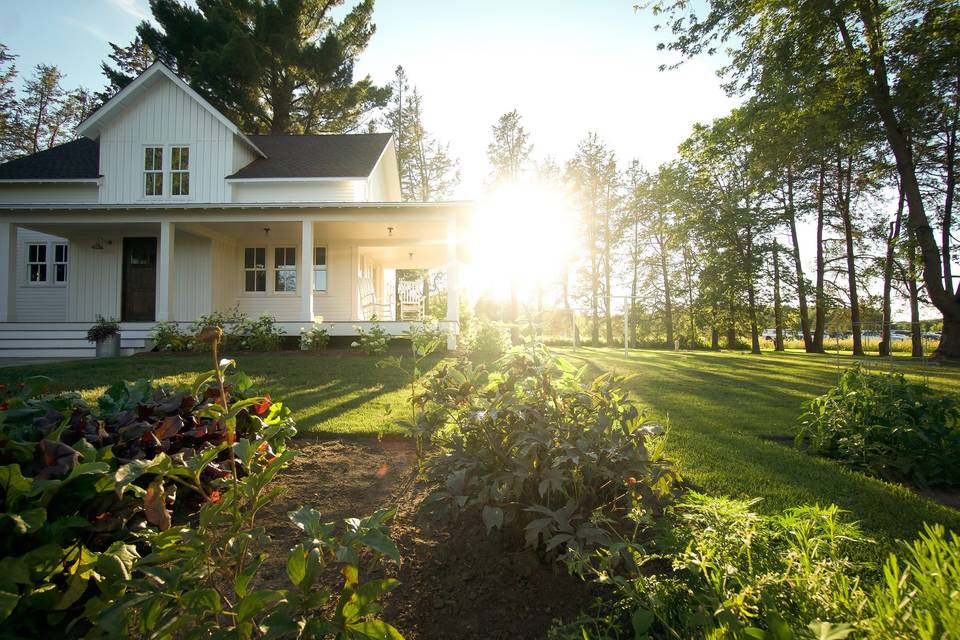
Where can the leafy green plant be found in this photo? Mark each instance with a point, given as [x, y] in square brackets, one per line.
[533, 447]
[202, 581]
[373, 342]
[424, 339]
[82, 486]
[886, 426]
[103, 329]
[168, 336]
[316, 338]
[487, 338]
[919, 595]
[261, 334]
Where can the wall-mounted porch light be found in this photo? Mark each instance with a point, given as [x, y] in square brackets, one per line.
[98, 245]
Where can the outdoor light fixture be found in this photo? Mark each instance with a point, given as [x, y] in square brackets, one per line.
[389, 232]
[411, 255]
[266, 231]
[98, 245]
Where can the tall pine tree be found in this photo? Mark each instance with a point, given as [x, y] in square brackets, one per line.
[271, 66]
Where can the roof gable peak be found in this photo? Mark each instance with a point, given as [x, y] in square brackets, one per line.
[92, 126]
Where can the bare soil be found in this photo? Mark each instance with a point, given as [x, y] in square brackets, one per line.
[455, 580]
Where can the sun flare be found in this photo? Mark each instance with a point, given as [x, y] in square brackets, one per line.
[523, 234]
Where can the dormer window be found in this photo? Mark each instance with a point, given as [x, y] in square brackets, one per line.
[153, 171]
[180, 171]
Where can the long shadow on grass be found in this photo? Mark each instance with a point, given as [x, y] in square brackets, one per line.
[319, 388]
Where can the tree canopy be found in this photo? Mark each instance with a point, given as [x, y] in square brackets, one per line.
[273, 66]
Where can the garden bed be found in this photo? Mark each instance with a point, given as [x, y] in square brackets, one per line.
[455, 580]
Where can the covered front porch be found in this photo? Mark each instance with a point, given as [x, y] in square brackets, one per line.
[295, 264]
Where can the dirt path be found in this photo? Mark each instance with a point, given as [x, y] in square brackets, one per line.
[455, 581]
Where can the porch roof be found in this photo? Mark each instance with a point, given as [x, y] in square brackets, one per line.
[173, 207]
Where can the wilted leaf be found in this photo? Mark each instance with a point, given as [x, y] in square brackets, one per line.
[155, 505]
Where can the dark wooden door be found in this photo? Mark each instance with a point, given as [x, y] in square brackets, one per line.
[139, 279]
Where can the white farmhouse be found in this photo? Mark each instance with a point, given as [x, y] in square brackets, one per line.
[163, 210]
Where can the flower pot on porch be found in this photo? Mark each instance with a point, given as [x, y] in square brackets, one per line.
[109, 346]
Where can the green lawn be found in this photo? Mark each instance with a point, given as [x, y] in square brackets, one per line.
[330, 393]
[723, 408]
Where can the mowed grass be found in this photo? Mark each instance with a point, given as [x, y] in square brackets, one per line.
[332, 393]
[732, 415]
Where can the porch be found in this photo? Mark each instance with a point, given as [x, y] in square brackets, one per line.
[336, 262]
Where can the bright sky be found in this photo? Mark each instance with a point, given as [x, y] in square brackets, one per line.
[567, 66]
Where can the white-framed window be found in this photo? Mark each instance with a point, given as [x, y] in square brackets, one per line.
[255, 269]
[36, 263]
[61, 253]
[320, 269]
[285, 269]
[180, 171]
[152, 171]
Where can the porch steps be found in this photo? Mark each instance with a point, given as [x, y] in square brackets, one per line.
[65, 339]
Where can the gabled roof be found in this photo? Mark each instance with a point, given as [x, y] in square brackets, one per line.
[92, 125]
[315, 156]
[76, 160]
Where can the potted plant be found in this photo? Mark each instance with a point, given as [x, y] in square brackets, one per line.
[106, 334]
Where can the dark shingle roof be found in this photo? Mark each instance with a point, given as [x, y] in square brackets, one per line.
[76, 160]
[316, 156]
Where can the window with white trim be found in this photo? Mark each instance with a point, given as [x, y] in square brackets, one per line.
[285, 269]
[255, 269]
[179, 171]
[60, 259]
[36, 263]
[153, 171]
[320, 269]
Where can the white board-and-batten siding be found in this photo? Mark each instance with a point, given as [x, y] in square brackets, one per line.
[300, 191]
[164, 115]
[39, 302]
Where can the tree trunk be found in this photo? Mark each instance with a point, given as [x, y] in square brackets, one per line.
[777, 306]
[916, 338]
[798, 266]
[892, 238]
[820, 299]
[714, 330]
[844, 179]
[686, 267]
[875, 71]
[752, 298]
[667, 300]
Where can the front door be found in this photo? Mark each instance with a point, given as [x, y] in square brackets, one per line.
[139, 279]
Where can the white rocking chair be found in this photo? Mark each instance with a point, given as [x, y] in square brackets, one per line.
[410, 293]
[370, 307]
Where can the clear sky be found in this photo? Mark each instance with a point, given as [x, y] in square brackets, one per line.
[567, 66]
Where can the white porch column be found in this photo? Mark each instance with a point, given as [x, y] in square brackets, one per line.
[8, 272]
[453, 284]
[306, 270]
[164, 310]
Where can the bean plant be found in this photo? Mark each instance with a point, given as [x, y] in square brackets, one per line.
[529, 445]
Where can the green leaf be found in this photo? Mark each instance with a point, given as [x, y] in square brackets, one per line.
[376, 630]
[8, 602]
[257, 602]
[492, 517]
[828, 631]
[642, 621]
[14, 483]
[297, 564]
[207, 600]
[308, 520]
